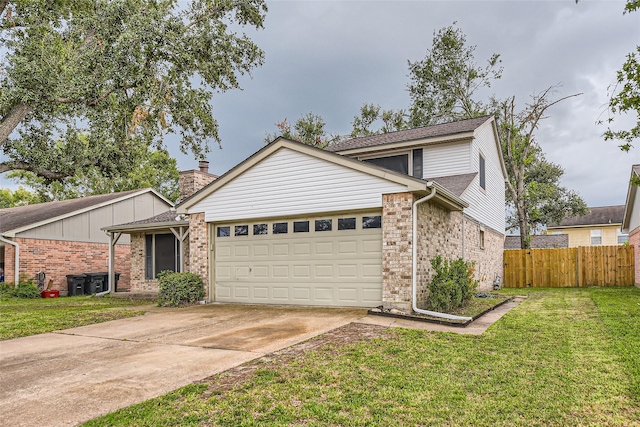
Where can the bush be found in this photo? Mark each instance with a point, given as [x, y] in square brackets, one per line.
[452, 285]
[178, 289]
[25, 290]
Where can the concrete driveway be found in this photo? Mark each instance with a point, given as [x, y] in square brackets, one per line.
[67, 377]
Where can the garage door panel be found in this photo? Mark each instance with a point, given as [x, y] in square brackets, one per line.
[330, 268]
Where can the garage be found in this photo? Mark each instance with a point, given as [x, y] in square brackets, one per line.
[326, 260]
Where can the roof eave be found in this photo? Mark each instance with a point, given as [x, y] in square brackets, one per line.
[447, 198]
[628, 206]
[465, 136]
[144, 227]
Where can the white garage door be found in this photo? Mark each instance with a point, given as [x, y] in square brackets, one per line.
[331, 260]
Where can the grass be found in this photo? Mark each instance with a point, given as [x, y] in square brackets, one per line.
[562, 357]
[24, 317]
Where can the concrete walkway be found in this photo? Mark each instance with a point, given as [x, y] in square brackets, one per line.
[71, 376]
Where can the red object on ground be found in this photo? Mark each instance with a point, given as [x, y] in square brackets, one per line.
[50, 294]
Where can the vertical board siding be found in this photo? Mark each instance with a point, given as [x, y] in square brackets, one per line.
[486, 206]
[291, 183]
[569, 267]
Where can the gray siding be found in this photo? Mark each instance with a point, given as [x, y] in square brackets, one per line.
[86, 226]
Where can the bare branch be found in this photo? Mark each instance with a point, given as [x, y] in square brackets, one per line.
[47, 174]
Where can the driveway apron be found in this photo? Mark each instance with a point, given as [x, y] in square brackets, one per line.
[70, 376]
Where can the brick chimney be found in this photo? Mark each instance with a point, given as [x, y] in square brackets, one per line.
[193, 180]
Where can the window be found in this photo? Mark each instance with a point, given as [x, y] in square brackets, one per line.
[596, 237]
[399, 163]
[346, 223]
[417, 163]
[259, 229]
[162, 252]
[372, 222]
[223, 232]
[622, 238]
[241, 230]
[481, 239]
[483, 183]
[280, 227]
[300, 226]
[323, 225]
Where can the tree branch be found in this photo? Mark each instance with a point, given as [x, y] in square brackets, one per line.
[12, 119]
[47, 174]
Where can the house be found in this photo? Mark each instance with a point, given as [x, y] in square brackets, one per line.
[540, 241]
[352, 225]
[631, 219]
[65, 237]
[160, 242]
[601, 226]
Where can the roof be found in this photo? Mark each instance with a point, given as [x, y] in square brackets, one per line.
[443, 196]
[597, 216]
[455, 183]
[164, 220]
[434, 131]
[539, 241]
[631, 198]
[24, 217]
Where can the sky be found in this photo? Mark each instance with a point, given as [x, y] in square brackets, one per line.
[331, 57]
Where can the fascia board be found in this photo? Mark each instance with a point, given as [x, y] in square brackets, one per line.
[459, 137]
[145, 227]
[628, 206]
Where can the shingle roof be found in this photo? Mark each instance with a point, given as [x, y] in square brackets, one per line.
[22, 216]
[539, 242]
[170, 216]
[444, 129]
[455, 183]
[596, 215]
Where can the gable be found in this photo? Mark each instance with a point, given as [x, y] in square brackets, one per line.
[289, 182]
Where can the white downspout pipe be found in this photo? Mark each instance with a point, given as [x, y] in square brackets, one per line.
[113, 239]
[16, 278]
[414, 262]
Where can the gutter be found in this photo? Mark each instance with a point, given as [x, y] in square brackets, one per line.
[414, 262]
[16, 278]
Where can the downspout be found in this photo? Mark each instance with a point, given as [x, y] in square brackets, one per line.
[112, 243]
[414, 262]
[16, 278]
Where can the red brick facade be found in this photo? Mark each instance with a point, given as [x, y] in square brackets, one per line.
[57, 258]
[634, 240]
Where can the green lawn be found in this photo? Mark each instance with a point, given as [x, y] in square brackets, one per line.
[24, 317]
[563, 357]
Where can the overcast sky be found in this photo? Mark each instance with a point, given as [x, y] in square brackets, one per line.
[330, 57]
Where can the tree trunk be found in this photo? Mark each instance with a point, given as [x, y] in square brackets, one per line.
[12, 119]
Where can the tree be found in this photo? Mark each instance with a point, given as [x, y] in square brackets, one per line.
[17, 197]
[533, 189]
[153, 169]
[370, 114]
[122, 72]
[309, 129]
[444, 83]
[626, 95]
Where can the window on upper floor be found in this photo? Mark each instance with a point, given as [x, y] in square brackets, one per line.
[417, 163]
[596, 237]
[483, 183]
[622, 238]
[399, 163]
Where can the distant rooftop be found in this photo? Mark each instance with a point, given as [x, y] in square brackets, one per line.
[542, 241]
[596, 216]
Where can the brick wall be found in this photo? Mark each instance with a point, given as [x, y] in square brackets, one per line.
[139, 283]
[193, 180]
[199, 248]
[634, 240]
[58, 258]
[439, 233]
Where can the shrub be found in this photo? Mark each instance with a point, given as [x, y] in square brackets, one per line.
[26, 290]
[6, 289]
[178, 289]
[452, 285]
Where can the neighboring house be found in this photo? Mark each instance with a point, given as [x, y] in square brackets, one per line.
[631, 219]
[293, 224]
[601, 226]
[542, 241]
[161, 242]
[65, 237]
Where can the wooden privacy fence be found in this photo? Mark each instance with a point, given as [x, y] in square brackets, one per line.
[569, 267]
